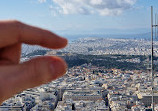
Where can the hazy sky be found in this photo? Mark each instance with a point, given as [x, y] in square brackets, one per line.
[82, 16]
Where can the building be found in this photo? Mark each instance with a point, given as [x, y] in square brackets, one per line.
[146, 98]
[86, 95]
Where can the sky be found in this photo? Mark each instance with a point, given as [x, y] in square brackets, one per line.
[82, 16]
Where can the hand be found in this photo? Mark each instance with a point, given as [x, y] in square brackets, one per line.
[16, 77]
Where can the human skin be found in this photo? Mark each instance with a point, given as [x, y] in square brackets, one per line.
[15, 76]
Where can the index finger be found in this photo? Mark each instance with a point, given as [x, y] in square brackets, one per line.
[12, 32]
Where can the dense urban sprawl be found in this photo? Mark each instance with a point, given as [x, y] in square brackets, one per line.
[93, 88]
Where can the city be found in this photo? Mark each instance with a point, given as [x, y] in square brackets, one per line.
[110, 47]
[89, 87]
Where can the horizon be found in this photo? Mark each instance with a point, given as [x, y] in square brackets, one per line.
[118, 18]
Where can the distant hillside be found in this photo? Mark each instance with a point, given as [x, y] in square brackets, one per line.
[118, 36]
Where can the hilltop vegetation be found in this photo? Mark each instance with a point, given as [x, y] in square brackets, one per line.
[123, 62]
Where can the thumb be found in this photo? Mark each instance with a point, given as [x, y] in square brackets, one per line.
[14, 79]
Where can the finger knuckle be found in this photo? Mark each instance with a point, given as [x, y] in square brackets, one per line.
[39, 71]
[35, 70]
[18, 26]
[16, 23]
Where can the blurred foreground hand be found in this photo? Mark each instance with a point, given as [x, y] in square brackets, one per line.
[16, 77]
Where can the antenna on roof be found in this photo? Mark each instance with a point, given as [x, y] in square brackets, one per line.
[152, 52]
[152, 74]
[155, 24]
